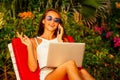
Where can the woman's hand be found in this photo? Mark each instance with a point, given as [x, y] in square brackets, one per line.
[32, 60]
[24, 39]
[60, 33]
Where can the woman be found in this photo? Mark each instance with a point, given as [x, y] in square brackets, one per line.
[51, 30]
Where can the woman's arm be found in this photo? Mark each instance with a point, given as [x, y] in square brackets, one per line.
[32, 60]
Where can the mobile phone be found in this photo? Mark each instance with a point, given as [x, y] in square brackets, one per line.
[58, 30]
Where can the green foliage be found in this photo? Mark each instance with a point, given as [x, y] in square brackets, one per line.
[8, 31]
[100, 58]
[6, 70]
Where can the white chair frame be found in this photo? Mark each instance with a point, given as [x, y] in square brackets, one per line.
[13, 61]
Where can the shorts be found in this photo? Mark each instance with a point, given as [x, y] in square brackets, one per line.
[44, 72]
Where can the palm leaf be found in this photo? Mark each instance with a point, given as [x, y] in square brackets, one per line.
[87, 9]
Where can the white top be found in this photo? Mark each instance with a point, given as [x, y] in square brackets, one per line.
[42, 53]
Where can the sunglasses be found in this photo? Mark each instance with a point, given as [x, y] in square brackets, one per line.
[49, 18]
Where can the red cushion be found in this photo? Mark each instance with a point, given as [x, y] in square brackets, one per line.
[70, 38]
[20, 52]
[21, 56]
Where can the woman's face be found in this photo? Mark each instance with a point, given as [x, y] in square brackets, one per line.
[51, 21]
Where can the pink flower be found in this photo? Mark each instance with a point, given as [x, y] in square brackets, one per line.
[98, 29]
[116, 41]
[108, 34]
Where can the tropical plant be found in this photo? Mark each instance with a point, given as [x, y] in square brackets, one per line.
[86, 11]
[6, 69]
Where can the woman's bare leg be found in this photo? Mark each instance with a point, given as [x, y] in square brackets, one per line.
[69, 68]
[85, 75]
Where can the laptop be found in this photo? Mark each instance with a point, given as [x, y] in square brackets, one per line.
[59, 53]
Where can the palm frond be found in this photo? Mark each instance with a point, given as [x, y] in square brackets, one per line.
[88, 9]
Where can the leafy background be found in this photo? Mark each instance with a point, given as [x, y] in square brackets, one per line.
[95, 22]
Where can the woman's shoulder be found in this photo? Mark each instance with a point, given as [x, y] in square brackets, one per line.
[65, 39]
[35, 41]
